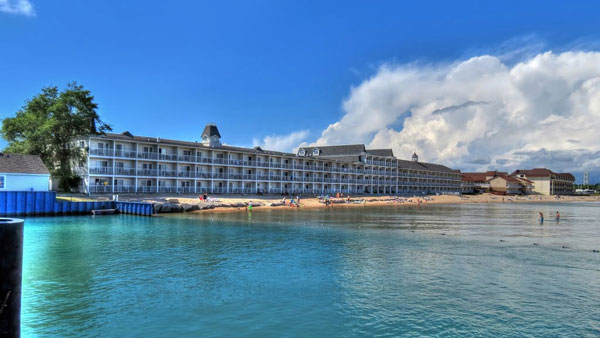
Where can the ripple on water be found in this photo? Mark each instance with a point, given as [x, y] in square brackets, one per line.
[363, 272]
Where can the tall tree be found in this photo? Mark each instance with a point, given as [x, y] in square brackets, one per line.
[48, 124]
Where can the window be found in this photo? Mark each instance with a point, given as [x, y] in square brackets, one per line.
[2, 182]
[315, 152]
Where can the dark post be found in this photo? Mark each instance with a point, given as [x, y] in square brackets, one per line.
[11, 267]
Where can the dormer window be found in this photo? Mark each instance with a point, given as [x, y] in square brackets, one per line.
[301, 152]
[316, 152]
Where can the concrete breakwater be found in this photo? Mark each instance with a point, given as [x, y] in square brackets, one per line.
[173, 205]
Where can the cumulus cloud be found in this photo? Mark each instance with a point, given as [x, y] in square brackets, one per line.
[20, 7]
[481, 113]
[281, 142]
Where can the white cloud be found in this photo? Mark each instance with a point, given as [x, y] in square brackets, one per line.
[20, 7]
[281, 142]
[481, 113]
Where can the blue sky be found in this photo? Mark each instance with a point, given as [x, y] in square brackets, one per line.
[257, 68]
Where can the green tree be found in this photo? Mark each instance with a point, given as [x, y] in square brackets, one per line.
[48, 125]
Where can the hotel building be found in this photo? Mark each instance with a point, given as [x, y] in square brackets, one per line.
[547, 182]
[124, 163]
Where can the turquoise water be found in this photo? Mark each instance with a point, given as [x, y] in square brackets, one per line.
[454, 270]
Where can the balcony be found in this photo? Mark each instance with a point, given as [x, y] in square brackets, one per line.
[186, 173]
[167, 173]
[148, 156]
[99, 189]
[167, 157]
[101, 152]
[126, 153]
[147, 189]
[185, 190]
[187, 158]
[167, 189]
[100, 171]
[124, 189]
[125, 171]
[147, 172]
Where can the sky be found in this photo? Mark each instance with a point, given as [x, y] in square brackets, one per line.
[474, 85]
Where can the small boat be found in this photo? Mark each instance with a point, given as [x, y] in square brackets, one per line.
[104, 212]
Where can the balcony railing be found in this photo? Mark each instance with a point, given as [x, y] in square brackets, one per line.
[126, 153]
[124, 171]
[100, 171]
[124, 189]
[147, 189]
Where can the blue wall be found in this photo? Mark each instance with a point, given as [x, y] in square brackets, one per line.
[29, 203]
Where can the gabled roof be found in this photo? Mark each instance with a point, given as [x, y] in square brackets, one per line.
[540, 172]
[506, 178]
[349, 149]
[210, 130]
[475, 177]
[22, 164]
[404, 164]
[381, 152]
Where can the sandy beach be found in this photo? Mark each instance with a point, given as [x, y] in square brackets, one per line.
[233, 203]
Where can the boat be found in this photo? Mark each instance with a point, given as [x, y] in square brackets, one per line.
[104, 212]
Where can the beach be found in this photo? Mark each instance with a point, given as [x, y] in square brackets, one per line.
[235, 203]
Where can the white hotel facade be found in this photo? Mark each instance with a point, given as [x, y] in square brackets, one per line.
[124, 163]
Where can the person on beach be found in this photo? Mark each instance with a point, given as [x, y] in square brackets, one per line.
[205, 196]
[541, 218]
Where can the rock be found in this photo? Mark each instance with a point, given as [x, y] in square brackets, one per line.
[237, 205]
[277, 204]
[173, 200]
[186, 207]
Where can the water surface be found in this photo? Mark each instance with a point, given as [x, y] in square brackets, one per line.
[452, 270]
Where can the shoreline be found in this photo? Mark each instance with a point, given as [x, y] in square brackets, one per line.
[227, 204]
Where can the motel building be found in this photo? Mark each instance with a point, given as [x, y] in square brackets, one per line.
[124, 163]
[547, 182]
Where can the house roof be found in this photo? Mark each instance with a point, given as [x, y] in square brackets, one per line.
[381, 152]
[475, 177]
[22, 164]
[342, 150]
[481, 176]
[506, 178]
[425, 166]
[540, 172]
[211, 130]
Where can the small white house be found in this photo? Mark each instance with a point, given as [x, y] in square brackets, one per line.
[19, 172]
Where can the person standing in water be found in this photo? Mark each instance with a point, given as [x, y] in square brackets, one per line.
[557, 216]
[541, 218]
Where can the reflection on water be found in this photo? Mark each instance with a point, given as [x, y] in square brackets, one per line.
[435, 271]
